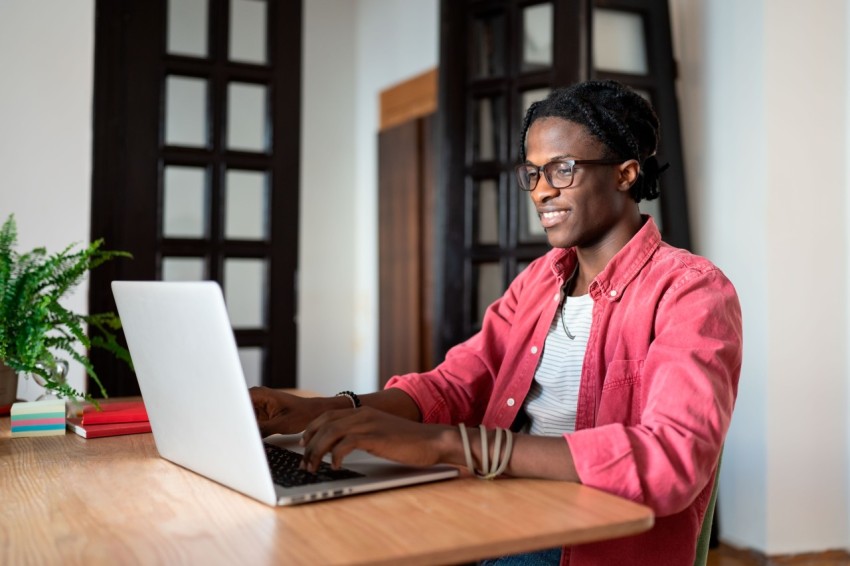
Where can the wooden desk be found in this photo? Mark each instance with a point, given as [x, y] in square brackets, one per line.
[65, 499]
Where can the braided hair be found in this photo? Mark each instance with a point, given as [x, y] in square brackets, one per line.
[618, 117]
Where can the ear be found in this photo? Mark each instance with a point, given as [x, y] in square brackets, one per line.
[627, 174]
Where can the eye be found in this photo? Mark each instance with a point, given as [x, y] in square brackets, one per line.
[531, 173]
[560, 170]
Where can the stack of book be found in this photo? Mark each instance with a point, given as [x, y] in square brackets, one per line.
[113, 419]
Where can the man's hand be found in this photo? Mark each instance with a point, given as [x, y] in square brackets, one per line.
[279, 412]
[379, 433]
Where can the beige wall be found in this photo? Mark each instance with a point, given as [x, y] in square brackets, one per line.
[764, 98]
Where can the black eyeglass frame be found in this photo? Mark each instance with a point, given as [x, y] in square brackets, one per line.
[523, 169]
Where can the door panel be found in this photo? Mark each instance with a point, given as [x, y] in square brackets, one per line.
[196, 167]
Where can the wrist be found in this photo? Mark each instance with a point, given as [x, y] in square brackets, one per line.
[450, 446]
[317, 406]
[486, 453]
[334, 403]
[352, 398]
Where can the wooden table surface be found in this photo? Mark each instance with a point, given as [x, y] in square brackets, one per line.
[65, 499]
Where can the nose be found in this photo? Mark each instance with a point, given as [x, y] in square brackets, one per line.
[543, 192]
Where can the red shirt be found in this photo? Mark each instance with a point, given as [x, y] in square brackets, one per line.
[658, 384]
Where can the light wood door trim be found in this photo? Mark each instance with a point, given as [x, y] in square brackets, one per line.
[408, 100]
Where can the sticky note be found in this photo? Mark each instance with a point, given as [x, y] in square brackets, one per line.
[38, 418]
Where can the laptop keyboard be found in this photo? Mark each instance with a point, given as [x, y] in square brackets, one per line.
[284, 466]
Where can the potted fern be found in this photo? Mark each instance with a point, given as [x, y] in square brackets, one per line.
[36, 330]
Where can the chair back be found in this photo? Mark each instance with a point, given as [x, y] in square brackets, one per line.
[705, 532]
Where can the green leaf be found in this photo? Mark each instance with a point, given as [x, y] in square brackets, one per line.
[34, 325]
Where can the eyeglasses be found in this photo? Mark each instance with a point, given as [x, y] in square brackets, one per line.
[559, 173]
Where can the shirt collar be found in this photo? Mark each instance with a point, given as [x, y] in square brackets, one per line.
[623, 267]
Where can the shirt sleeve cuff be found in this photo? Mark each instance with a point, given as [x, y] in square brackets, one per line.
[432, 407]
[604, 460]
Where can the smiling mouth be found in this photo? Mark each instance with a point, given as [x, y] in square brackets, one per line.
[549, 219]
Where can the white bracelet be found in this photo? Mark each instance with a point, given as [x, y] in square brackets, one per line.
[467, 451]
[509, 446]
[491, 467]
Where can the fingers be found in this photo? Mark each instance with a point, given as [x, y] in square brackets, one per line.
[270, 409]
[269, 426]
[343, 448]
[321, 421]
[335, 432]
[260, 400]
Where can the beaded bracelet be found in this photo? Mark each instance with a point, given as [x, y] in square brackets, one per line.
[490, 467]
[352, 396]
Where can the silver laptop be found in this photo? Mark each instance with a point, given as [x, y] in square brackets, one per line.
[191, 380]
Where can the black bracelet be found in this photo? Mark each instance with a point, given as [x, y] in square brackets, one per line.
[352, 396]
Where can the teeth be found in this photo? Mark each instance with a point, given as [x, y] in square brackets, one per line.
[553, 214]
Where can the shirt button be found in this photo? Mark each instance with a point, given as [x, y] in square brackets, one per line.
[511, 402]
[534, 349]
[613, 293]
[557, 297]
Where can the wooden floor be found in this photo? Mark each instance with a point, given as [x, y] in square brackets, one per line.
[726, 555]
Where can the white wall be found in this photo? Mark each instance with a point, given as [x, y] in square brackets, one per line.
[329, 198]
[764, 101]
[390, 41]
[46, 61]
[847, 270]
[719, 47]
[807, 261]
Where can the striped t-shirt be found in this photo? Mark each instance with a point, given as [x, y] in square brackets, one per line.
[552, 400]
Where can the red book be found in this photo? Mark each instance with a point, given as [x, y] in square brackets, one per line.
[117, 412]
[75, 424]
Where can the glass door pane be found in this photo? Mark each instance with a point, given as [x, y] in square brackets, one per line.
[489, 288]
[184, 269]
[528, 97]
[246, 205]
[488, 126]
[537, 37]
[186, 111]
[530, 228]
[252, 365]
[184, 207]
[619, 44]
[187, 27]
[488, 40]
[247, 41]
[245, 291]
[246, 117]
[486, 195]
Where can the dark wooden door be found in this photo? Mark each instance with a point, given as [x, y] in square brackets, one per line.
[196, 163]
[405, 212]
[406, 148]
[496, 57]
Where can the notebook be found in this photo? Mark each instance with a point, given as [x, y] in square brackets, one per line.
[191, 380]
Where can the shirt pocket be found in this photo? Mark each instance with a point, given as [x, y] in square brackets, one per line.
[620, 401]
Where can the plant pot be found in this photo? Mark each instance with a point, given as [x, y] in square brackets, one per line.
[8, 388]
